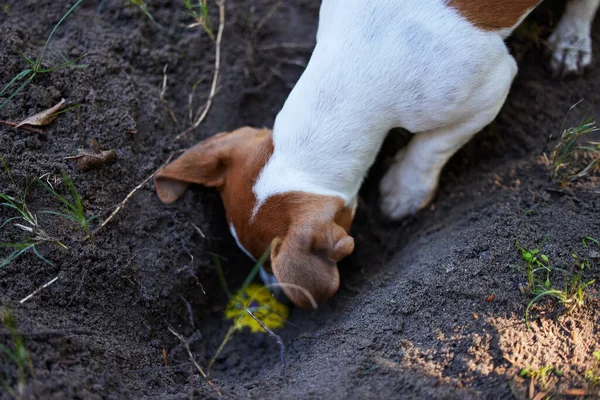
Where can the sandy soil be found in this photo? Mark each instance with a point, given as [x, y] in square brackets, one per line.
[411, 319]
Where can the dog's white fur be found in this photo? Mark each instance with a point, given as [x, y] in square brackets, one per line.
[415, 64]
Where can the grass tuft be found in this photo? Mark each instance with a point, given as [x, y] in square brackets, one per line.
[542, 374]
[22, 79]
[26, 221]
[592, 375]
[568, 153]
[199, 12]
[72, 210]
[540, 273]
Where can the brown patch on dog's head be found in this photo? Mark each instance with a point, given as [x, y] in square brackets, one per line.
[308, 232]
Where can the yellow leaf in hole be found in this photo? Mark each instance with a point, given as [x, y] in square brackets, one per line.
[259, 300]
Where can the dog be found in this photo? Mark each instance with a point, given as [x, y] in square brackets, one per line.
[438, 68]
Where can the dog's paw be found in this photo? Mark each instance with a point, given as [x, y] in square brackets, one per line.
[571, 50]
[403, 194]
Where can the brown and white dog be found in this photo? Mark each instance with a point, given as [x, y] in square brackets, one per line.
[438, 68]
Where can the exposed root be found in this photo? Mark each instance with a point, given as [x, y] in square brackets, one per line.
[268, 15]
[277, 338]
[36, 291]
[213, 88]
[130, 194]
[161, 96]
[193, 360]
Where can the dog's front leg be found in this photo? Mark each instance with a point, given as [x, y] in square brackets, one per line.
[571, 42]
[412, 180]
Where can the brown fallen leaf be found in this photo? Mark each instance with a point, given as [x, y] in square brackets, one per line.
[44, 117]
[575, 392]
[490, 298]
[92, 156]
[25, 128]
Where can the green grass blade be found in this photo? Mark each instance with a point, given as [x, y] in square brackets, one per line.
[585, 238]
[39, 60]
[221, 276]
[63, 215]
[27, 59]
[9, 353]
[255, 270]
[142, 6]
[8, 220]
[63, 65]
[19, 76]
[17, 91]
[42, 257]
[11, 206]
[14, 255]
[550, 293]
[71, 186]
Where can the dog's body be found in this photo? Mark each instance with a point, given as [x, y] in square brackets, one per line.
[439, 69]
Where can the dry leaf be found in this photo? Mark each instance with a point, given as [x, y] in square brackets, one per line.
[490, 298]
[45, 117]
[575, 392]
[93, 156]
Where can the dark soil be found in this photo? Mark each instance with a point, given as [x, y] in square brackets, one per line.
[411, 319]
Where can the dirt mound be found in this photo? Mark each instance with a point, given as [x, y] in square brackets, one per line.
[411, 319]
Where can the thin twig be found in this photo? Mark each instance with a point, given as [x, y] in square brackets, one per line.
[24, 127]
[130, 194]
[189, 310]
[199, 231]
[277, 338]
[268, 16]
[39, 290]
[213, 88]
[193, 360]
[226, 339]
[163, 90]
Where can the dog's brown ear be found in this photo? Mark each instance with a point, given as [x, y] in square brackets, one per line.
[305, 261]
[204, 164]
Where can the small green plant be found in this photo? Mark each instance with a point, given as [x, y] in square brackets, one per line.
[27, 221]
[35, 66]
[199, 12]
[567, 152]
[593, 374]
[72, 210]
[13, 356]
[586, 239]
[538, 271]
[542, 374]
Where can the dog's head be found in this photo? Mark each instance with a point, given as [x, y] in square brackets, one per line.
[307, 232]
